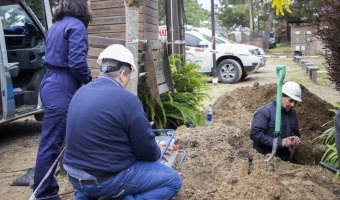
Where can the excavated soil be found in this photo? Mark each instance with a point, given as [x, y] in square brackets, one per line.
[221, 164]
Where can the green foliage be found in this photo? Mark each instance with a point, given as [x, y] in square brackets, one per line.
[194, 13]
[328, 138]
[330, 156]
[327, 29]
[36, 6]
[235, 15]
[302, 9]
[182, 107]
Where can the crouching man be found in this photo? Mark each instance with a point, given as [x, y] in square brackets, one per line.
[110, 148]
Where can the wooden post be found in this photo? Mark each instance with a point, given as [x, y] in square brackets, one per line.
[132, 25]
[176, 26]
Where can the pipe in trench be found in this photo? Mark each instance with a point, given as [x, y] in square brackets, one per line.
[327, 166]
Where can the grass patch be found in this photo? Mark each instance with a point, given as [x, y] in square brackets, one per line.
[282, 48]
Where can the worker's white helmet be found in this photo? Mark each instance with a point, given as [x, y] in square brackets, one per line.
[292, 90]
[117, 52]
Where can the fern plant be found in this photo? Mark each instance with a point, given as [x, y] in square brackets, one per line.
[185, 105]
[328, 138]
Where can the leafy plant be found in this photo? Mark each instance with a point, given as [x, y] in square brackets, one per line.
[327, 29]
[328, 138]
[185, 106]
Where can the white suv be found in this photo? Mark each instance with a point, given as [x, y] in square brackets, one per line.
[233, 62]
[206, 33]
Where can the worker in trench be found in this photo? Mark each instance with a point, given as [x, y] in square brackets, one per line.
[263, 125]
[111, 150]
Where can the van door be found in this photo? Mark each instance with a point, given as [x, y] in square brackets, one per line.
[47, 14]
[7, 107]
[23, 47]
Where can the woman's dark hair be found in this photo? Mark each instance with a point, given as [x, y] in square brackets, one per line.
[75, 8]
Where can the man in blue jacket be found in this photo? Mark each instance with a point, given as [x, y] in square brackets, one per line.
[263, 125]
[110, 148]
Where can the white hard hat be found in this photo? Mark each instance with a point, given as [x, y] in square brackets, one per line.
[117, 52]
[292, 90]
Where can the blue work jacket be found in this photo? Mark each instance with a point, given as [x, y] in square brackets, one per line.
[263, 128]
[107, 129]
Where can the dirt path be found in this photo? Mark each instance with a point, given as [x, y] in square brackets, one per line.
[220, 162]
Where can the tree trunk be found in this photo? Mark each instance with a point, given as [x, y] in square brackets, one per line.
[268, 28]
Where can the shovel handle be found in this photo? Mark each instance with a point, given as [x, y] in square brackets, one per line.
[280, 76]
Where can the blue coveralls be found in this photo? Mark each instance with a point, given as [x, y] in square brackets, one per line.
[65, 59]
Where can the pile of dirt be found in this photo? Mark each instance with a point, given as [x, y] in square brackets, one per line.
[221, 164]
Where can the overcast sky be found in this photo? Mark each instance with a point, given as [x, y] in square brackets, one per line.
[207, 3]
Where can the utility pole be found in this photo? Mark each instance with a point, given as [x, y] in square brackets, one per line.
[181, 29]
[251, 21]
[213, 40]
[170, 24]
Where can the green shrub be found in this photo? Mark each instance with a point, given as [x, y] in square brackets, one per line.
[328, 138]
[326, 24]
[185, 105]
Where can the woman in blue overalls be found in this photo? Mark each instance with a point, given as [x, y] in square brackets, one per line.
[67, 70]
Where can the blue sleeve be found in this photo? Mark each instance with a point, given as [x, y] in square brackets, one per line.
[142, 138]
[258, 131]
[78, 47]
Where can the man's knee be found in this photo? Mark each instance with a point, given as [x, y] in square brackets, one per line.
[177, 182]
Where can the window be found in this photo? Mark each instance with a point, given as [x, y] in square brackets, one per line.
[13, 16]
[192, 41]
[18, 27]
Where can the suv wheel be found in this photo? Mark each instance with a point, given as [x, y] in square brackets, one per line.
[229, 71]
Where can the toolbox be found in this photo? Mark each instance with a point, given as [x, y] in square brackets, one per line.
[166, 136]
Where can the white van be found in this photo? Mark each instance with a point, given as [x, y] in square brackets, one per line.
[22, 43]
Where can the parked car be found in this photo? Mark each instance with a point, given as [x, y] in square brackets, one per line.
[233, 62]
[272, 41]
[219, 40]
[254, 49]
[22, 43]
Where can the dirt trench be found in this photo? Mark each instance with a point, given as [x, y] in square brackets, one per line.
[221, 164]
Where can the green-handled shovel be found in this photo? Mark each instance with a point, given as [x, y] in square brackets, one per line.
[280, 76]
